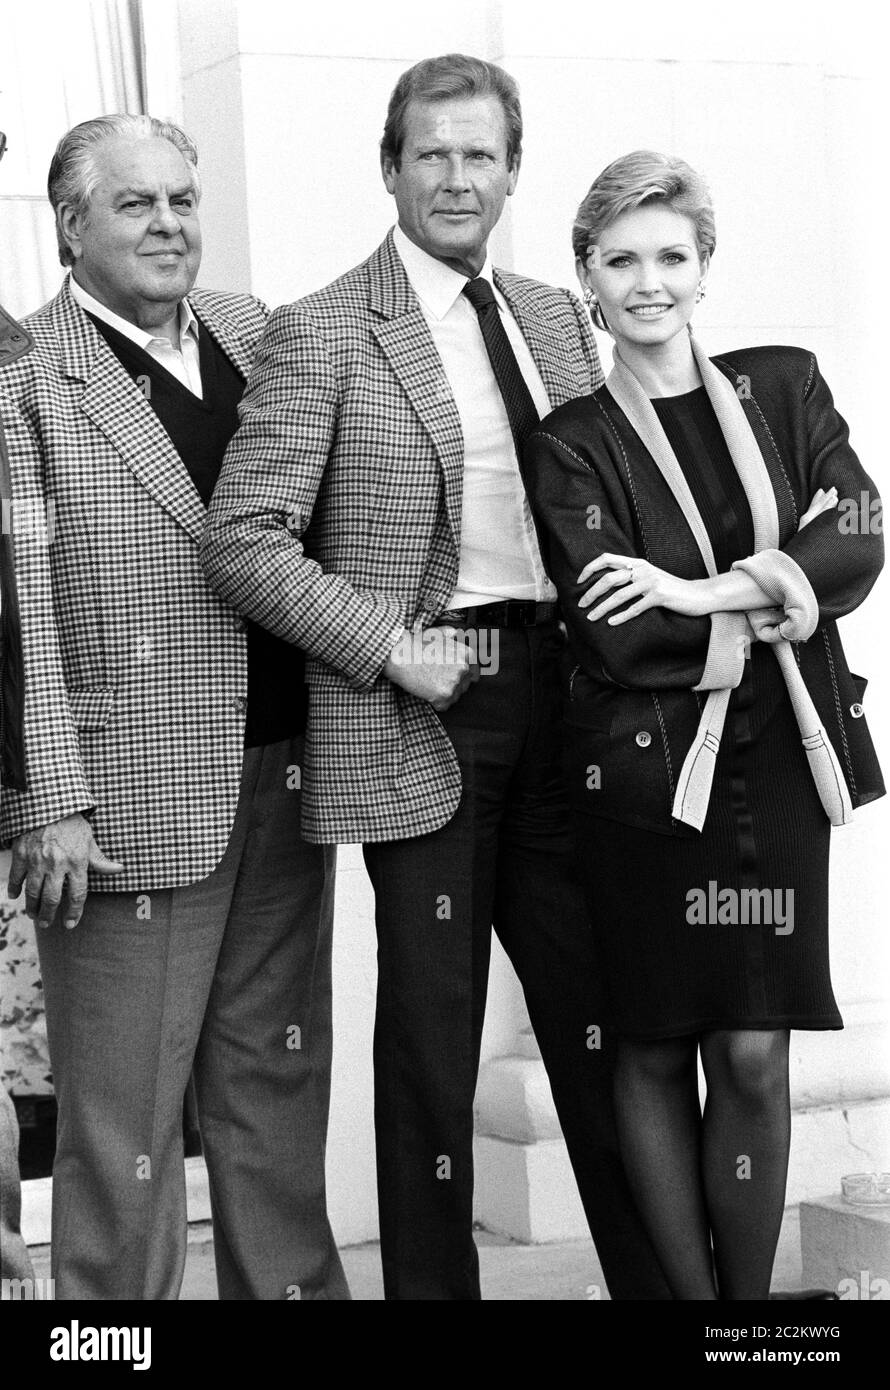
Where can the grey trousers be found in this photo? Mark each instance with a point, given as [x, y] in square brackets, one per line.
[228, 979]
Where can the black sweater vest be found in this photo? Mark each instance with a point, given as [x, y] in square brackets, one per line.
[200, 430]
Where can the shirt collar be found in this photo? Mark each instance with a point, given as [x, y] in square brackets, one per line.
[436, 285]
[188, 323]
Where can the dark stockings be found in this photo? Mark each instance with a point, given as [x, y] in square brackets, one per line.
[717, 1177]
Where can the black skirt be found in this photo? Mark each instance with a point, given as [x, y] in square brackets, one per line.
[727, 929]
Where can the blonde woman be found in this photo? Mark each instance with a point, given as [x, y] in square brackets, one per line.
[690, 518]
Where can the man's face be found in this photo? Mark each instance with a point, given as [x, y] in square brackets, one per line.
[453, 178]
[138, 244]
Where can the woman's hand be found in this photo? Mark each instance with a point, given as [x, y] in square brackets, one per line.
[628, 579]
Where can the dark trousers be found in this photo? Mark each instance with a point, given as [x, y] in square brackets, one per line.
[505, 858]
[227, 979]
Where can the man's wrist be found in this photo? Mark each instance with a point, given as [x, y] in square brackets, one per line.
[395, 638]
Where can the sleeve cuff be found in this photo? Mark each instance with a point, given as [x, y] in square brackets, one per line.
[787, 585]
[20, 813]
[727, 648]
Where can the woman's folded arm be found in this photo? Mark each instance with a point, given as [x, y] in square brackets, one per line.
[577, 522]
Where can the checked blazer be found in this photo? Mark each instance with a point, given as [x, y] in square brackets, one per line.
[135, 672]
[337, 518]
[14, 343]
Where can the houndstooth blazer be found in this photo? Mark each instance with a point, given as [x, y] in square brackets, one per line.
[337, 515]
[135, 672]
[14, 343]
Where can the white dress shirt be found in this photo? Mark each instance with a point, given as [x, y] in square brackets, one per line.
[499, 555]
[183, 363]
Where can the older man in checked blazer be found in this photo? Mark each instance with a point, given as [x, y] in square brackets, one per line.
[153, 811]
[370, 508]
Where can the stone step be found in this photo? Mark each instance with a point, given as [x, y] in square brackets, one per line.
[846, 1248]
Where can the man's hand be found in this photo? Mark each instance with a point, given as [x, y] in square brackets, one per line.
[433, 663]
[44, 859]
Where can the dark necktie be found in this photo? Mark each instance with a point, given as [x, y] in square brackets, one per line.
[521, 410]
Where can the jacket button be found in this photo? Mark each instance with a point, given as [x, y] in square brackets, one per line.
[857, 711]
[239, 704]
[643, 739]
[239, 624]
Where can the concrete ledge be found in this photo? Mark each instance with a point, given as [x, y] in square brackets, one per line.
[846, 1248]
[37, 1194]
[514, 1101]
[527, 1191]
[833, 1140]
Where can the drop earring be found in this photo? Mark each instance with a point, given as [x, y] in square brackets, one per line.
[700, 292]
[596, 311]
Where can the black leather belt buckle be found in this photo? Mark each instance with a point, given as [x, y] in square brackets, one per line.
[524, 613]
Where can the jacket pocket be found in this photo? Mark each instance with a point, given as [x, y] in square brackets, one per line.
[91, 709]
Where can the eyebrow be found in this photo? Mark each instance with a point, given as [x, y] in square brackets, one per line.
[150, 192]
[467, 147]
[676, 246]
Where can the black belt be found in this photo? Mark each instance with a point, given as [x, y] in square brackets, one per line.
[509, 612]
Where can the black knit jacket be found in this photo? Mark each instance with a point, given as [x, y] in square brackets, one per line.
[594, 488]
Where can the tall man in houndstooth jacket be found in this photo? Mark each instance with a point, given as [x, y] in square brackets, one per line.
[371, 509]
[161, 763]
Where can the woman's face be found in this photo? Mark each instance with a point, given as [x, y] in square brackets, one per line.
[645, 271]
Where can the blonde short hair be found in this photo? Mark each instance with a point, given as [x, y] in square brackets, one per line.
[643, 177]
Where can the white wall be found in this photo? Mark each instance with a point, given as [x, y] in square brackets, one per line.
[60, 63]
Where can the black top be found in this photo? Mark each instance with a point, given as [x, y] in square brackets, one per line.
[693, 432]
[200, 430]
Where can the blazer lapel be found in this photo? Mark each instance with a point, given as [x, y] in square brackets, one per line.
[219, 326]
[546, 342]
[112, 401]
[406, 341]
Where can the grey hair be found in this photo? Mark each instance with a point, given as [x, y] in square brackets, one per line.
[73, 173]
